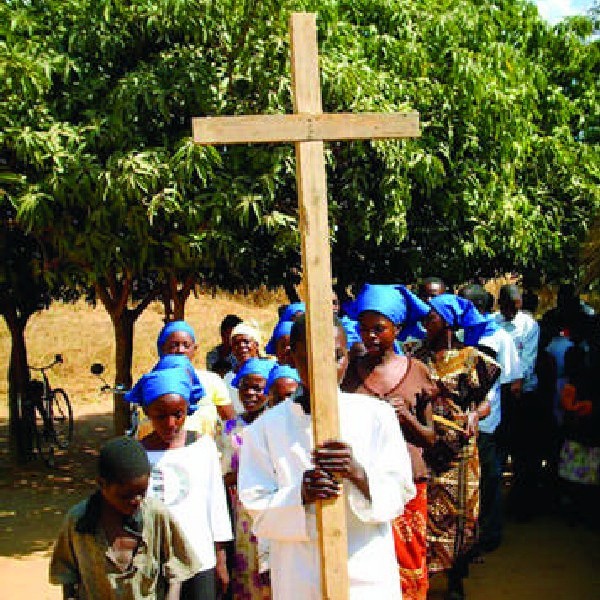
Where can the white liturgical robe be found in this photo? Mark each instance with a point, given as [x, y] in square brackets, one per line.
[276, 451]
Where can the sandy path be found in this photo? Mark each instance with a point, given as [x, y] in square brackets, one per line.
[542, 560]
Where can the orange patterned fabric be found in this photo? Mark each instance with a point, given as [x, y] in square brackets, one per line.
[453, 510]
[410, 541]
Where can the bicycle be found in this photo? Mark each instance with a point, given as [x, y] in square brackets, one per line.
[119, 389]
[50, 414]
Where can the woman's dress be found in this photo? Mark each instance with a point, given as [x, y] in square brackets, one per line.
[464, 377]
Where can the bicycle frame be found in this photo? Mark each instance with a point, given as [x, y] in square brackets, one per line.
[44, 406]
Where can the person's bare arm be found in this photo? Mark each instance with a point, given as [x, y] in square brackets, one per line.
[226, 412]
[221, 572]
[422, 433]
[173, 591]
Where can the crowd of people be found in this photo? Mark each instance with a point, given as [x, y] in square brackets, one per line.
[439, 397]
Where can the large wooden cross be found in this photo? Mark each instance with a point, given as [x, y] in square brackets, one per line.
[308, 128]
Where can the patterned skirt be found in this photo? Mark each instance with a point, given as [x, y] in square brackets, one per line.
[249, 577]
[410, 541]
[453, 509]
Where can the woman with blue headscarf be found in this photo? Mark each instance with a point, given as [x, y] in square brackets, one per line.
[382, 311]
[250, 571]
[279, 344]
[283, 381]
[464, 376]
[186, 473]
[178, 338]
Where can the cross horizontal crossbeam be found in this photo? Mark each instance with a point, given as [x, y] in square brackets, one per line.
[293, 128]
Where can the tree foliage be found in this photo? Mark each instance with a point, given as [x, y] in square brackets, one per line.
[95, 107]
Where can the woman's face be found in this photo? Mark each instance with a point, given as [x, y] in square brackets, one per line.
[167, 414]
[180, 342]
[378, 333]
[282, 350]
[282, 389]
[252, 393]
[434, 325]
[244, 347]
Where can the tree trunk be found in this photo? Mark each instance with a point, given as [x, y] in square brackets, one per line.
[20, 442]
[175, 295]
[115, 297]
[123, 329]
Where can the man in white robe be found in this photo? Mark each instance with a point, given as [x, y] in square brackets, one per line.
[279, 481]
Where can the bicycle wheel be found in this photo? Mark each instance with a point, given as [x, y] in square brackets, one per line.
[44, 437]
[62, 418]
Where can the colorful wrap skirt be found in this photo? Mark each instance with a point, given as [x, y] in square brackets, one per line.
[453, 510]
[410, 542]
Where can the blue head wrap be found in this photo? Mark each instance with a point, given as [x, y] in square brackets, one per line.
[170, 328]
[291, 310]
[181, 361]
[281, 371]
[351, 328]
[168, 380]
[456, 311]
[415, 331]
[282, 328]
[254, 366]
[395, 302]
[475, 332]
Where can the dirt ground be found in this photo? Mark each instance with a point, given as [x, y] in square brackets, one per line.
[542, 560]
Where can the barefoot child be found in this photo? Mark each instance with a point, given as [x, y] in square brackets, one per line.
[281, 476]
[116, 544]
[186, 474]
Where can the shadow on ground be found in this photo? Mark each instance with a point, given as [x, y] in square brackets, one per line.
[35, 498]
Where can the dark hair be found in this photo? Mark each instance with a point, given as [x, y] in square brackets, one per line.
[298, 332]
[122, 459]
[509, 293]
[221, 365]
[434, 280]
[476, 294]
[229, 322]
[530, 301]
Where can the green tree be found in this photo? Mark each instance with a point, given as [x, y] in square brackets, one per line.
[96, 100]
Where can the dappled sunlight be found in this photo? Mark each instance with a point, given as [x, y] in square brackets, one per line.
[35, 498]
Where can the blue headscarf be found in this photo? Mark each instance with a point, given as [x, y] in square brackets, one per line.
[456, 311]
[291, 310]
[395, 302]
[351, 328]
[170, 328]
[474, 333]
[174, 361]
[281, 371]
[170, 380]
[282, 328]
[416, 331]
[254, 366]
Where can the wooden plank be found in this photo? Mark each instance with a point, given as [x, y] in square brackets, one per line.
[316, 263]
[304, 127]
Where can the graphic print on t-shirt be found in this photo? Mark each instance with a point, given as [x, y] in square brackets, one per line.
[170, 483]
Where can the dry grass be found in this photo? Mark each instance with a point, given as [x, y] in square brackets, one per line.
[84, 335]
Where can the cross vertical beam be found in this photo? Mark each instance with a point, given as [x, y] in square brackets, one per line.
[316, 268]
[308, 128]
